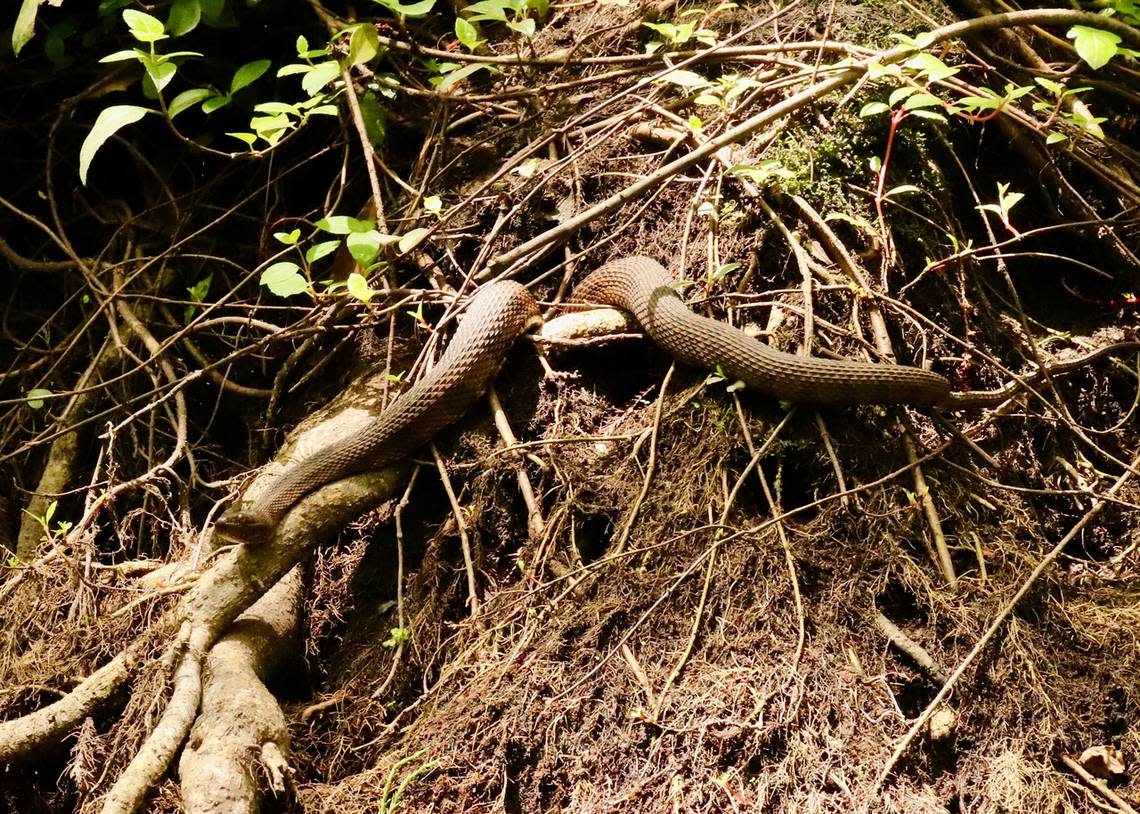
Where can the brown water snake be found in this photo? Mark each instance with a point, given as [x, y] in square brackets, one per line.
[501, 311]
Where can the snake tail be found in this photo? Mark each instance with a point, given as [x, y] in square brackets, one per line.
[642, 286]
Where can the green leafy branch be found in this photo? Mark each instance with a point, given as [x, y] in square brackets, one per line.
[44, 522]
[916, 98]
[687, 28]
[1006, 201]
[360, 237]
[514, 14]
[159, 70]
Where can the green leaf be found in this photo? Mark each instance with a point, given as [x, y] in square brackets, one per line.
[271, 128]
[528, 168]
[1056, 88]
[25, 27]
[1090, 124]
[359, 288]
[686, 79]
[215, 103]
[184, 17]
[759, 173]
[363, 44]
[433, 204]
[876, 70]
[930, 66]
[487, 10]
[409, 10]
[525, 27]
[274, 108]
[249, 138]
[898, 94]
[288, 238]
[200, 289]
[319, 250]
[375, 118]
[666, 30]
[197, 293]
[1011, 199]
[110, 120]
[363, 246]
[143, 27]
[462, 73]
[292, 69]
[467, 34]
[899, 190]
[980, 102]
[247, 74]
[417, 9]
[1054, 138]
[343, 225]
[269, 124]
[161, 73]
[121, 56]
[719, 274]
[186, 99]
[929, 114]
[873, 109]
[397, 636]
[411, 239]
[213, 10]
[320, 75]
[1096, 47]
[35, 397]
[920, 100]
[284, 279]
[1017, 91]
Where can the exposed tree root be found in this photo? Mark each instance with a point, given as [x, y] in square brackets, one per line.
[241, 723]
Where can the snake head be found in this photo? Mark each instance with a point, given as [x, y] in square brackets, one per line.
[245, 527]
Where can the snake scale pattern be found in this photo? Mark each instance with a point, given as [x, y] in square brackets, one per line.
[503, 310]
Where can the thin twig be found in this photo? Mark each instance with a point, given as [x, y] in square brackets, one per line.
[623, 537]
[461, 524]
[535, 522]
[1098, 786]
[399, 520]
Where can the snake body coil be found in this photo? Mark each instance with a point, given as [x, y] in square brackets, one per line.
[494, 319]
[640, 285]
